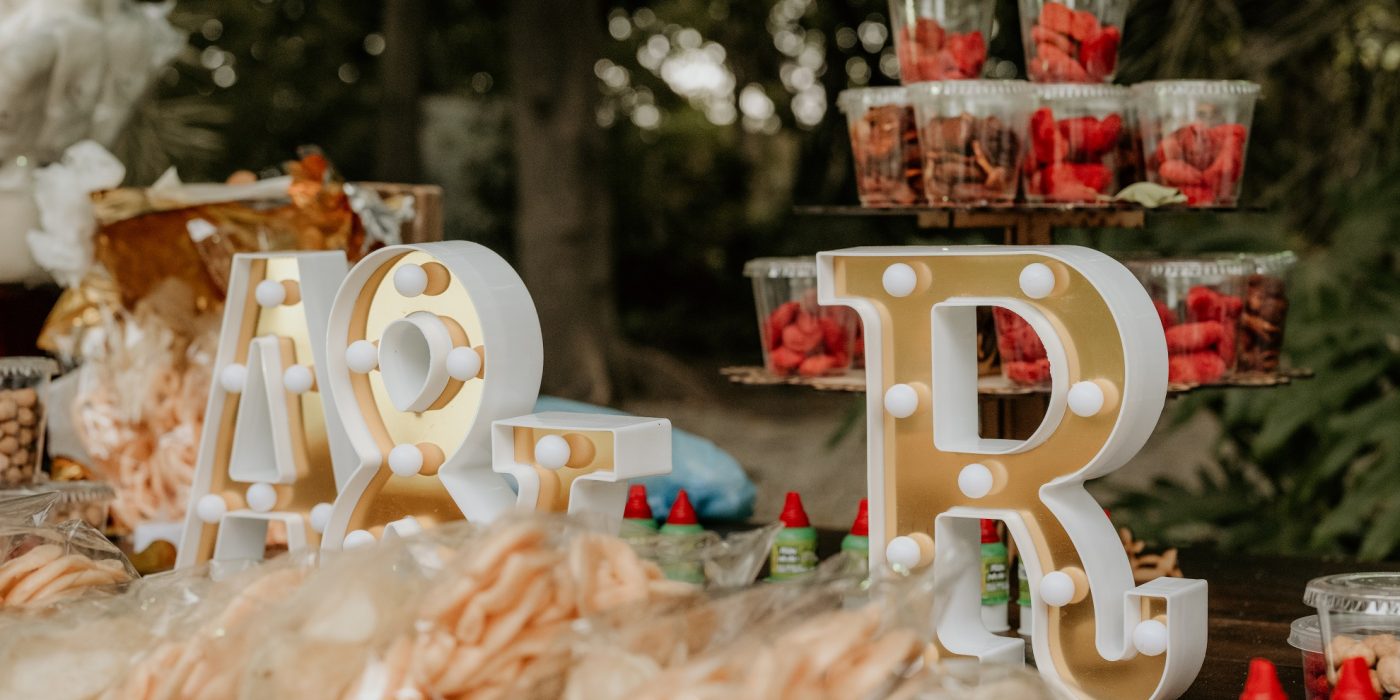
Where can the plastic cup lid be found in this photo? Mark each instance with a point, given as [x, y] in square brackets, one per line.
[789, 268]
[864, 98]
[1193, 268]
[1371, 593]
[1305, 634]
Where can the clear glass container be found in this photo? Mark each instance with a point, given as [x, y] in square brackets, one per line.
[884, 146]
[973, 136]
[1195, 134]
[24, 386]
[941, 39]
[800, 337]
[1358, 614]
[1074, 41]
[1079, 140]
[1199, 302]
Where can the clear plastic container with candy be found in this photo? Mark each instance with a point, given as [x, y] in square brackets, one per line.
[1265, 310]
[1358, 615]
[1079, 143]
[800, 338]
[24, 385]
[1072, 41]
[1023, 358]
[1199, 302]
[884, 146]
[973, 137]
[1195, 134]
[941, 39]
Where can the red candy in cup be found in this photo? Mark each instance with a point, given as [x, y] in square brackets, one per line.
[1073, 42]
[941, 41]
[1078, 142]
[1023, 357]
[1194, 134]
[1199, 304]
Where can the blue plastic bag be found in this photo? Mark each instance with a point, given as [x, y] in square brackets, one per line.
[718, 487]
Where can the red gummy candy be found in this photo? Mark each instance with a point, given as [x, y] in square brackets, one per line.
[1061, 183]
[969, 52]
[1046, 35]
[1206, 304]
[1028, 372]
[1354, 681]
[804, 335]
[1095, 176]
[1057, 17]
[928, 33]
[1047, 143]
[1084, 26]
[1196, 146]
[834, 337]
[1195, 368]
[1166, 314]
[781, 317]
[816, 365]
[1195, 337]
[1262, 682]
[1179, 173]
[1016, 340]
[1054, 65]
[1100, 53]
[1198, 195]
[784, 361]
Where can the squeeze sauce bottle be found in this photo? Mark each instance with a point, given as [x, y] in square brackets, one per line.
[995, 583]
[637, 520]
[1023, 597]
[682, 525]
[1262, 683]
[795, 547]
[857, 541]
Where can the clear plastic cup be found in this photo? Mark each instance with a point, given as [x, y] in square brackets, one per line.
[1079, 139]
[884, 146]
[1358, 614]
[1265, 314]
[1199, 302]
[973, 137]
[1195, 134]
[800, 337]
[1023, 358]
[1074, 41]
[24, 386]
[941, 39]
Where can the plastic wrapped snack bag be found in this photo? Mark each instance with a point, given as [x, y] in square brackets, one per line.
[43, 564]
[965, 679]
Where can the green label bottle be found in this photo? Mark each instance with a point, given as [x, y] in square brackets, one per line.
[795, 547]
[996, 574]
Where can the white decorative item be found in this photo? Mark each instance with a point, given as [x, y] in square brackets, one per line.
[273, 446]
[418, 421]
[580, 462]
[1103, 339]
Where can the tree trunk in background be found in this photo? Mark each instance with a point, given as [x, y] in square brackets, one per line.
[563, 212]
[400, 79]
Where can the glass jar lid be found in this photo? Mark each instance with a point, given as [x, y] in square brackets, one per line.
[781, 268]
[1305, 634]
[1371, 593]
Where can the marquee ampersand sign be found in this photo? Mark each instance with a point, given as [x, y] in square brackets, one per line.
[273, 448]
[932, 476]
[427, 345]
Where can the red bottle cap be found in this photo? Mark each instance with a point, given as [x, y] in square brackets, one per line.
[861, 527]
[989, 532]
[1262, 683]
[793, 513]
[637, 506]
[1354, 682]
[682, 513]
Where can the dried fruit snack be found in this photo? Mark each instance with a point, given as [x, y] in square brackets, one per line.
[1078, 139]
[1199, 303]
[884, 146]
[972, 134]
[941, 39]
[1075, 41]
[799, 337]
[1265, 311]
[23, 387]
[1023, 357]
[1195, 134]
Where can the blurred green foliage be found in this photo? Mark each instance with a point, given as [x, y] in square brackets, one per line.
[1312, 467]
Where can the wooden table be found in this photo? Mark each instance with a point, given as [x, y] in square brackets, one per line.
[1253, 600]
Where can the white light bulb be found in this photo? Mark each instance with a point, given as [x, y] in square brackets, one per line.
[358, 538]
[1057, 589]
[901, 400]
[552, 452]
[899, 280]
[463, 363]
[1037, 280]
[321, 516]
[361, 357]
[1150, 637]
[210, 508]
[1085, 399]
[410, 280]
[262, 497]
[405, 460]
[298, 379]
[232, 378]
[270, 293]
[976, 480]
[904, 552]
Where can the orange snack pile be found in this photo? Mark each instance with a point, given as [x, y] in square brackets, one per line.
[45, 574]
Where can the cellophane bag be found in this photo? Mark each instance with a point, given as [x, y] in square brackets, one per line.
[27, 508]
[965, 679]
[708, 558]
[40, 564]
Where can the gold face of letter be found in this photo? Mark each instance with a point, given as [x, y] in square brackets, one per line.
[931, 475]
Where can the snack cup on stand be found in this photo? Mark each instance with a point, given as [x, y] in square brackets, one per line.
[799, 337]
[1078, 138]
[941, 39]
[1195, 134]
[24, 385]
[1265, 310]
[973, 137]
[1074, 41]
[884, 146]
[1358, 614]
[1023, 358]
[1199, 303]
